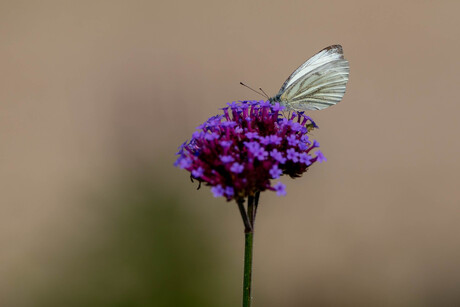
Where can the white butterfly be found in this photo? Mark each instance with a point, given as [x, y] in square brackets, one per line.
[318, 83]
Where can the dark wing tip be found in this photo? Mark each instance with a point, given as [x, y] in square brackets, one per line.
[335, 48]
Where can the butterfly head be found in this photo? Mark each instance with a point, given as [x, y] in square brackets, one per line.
[275, 99]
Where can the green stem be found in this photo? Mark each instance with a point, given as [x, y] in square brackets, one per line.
[249, 217]
[248, 240]
[253, 202]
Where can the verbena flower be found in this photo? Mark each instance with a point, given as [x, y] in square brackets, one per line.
[240, 152]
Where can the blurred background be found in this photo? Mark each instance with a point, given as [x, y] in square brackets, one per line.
[95, 97]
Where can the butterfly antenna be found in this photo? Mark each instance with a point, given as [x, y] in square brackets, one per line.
[251, 89]
[268, 97]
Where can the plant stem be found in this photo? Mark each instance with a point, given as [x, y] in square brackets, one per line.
[248, 240]
[244, 215]
[256, 204]
[251, 210]
[249, 217]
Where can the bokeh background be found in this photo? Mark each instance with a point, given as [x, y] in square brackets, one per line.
[95, 97]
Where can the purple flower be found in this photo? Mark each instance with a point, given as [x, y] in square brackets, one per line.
[244, 105]
[218, 191]
[277, 107]
[225, 143]
[177, 162]
[292, 140]
[237, 168]
[256, 150]
[274, 139]
[315, 144]
[280, 189]
[265, 140]
[275, 172]
[278, 156]
[202, 126]
[226, 159]
[320, 157]
[285, 122]
[229, 124]
[265, 104]
[181, 148]
[211, 136]
[251, 138]
[296, 126]
[305, 158]
[303, 146]
[252, 146]
[292, 155]
[197, 173]
[305, 139]
[233, 105]
[197, 134]
[185, 162]
[229, 191]
[261, 154]
[252, 135]
[213, 122]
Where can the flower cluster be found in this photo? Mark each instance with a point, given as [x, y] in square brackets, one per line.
[240, 151]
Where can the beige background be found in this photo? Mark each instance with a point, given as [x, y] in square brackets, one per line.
[95, 97]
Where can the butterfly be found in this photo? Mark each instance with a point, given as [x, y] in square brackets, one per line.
[317, 84]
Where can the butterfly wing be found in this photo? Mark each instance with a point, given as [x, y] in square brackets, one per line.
[318, 83]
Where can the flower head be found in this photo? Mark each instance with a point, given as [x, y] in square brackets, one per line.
[241, 151]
